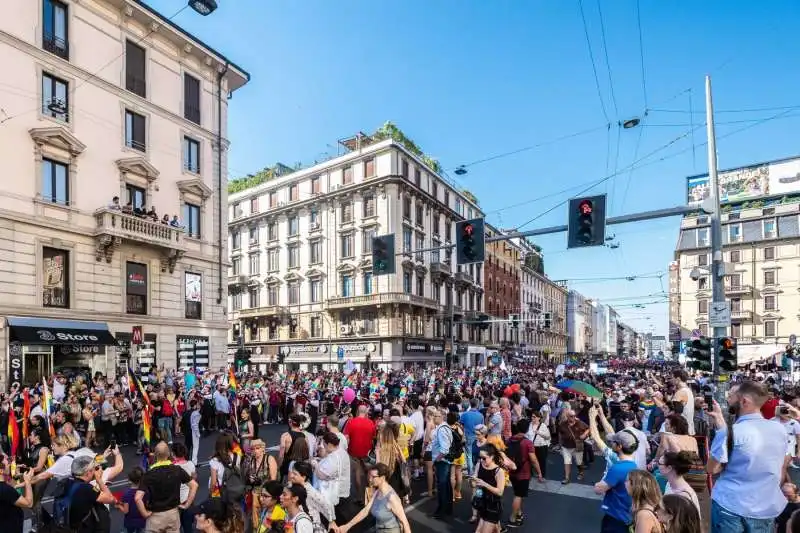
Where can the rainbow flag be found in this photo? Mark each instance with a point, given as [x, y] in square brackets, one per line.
[147, 424]
[236, 449]
[131, 381]
[143, 392]
[46, 408]
[233, 386]
[13, 433]
[26, 412]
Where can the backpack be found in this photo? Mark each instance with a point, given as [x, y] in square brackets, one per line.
[62, 503]
[514, 453]
[456, 446]
[233, 486]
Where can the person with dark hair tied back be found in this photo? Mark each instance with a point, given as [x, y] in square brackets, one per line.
[293, 501]
[673, 466]
[679, 515]
[385, 505]
[488, 486]
[215, 516]
[316, 504]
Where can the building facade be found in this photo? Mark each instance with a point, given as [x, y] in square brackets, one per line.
[580, 324]
[84, 279]
[502, 291]
[762, 246]
[301, 286]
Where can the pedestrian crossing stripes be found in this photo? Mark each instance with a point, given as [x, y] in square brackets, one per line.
[577, 490]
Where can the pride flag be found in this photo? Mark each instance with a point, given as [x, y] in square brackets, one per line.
[46, 408]
[26, 413]
[13, 433]
[232, 384]
[146, 424]
[131, 381]
[236, 449]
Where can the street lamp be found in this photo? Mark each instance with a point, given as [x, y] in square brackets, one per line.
[631, 123]
[204, 7]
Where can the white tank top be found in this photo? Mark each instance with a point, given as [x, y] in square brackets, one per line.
[688, 409]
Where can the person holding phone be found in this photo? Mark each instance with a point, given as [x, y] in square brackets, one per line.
[787, 416]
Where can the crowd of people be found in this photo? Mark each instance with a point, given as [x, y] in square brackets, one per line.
[357, 446]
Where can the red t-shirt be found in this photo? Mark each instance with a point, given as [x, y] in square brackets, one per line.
[525, 466]
[768, 409]
[360, 433]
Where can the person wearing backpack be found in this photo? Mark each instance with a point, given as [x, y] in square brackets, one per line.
[456, 455]
[521, 451]
[293, 501]
[162, 485]
[78, 506]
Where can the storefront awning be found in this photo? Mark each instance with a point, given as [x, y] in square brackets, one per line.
[29, 330]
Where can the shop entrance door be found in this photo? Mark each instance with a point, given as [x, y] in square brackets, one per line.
[36, 366]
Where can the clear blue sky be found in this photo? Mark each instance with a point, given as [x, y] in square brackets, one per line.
[470, 79]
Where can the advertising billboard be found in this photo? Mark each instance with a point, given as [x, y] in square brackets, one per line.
[748, 183]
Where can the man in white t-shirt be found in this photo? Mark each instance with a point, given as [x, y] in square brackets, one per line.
[792, 427]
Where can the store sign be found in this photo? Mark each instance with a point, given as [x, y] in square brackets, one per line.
[15, 364]
[416, 347]
[352, 350]
[69, 349]
[439, 348]
[304, 348]
[46, 335]
[193, 352]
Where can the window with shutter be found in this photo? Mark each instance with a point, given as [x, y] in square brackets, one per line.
[135, 77]
[191, 98]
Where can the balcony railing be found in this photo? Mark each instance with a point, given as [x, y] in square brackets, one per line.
[379, 299]
[118, 224]
[462, 277]
[237, 279]
[742, 314]
[56, 45]
[268, 310]
[738, 289]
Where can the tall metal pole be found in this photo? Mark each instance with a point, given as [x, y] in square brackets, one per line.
[717, 263]
[452, 323]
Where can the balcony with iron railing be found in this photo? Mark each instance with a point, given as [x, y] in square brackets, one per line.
[56, 45]
[342, 302]
[269, 310]
[741, 314]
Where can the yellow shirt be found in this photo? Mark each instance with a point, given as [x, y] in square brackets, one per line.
[277, 514]
[404, 439]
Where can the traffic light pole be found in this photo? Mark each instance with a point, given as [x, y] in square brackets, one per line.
[717, 263]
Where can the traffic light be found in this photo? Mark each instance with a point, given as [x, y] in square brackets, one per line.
[548, 320]
[383, 255]
[483, 322]
[236, 331]
[587, 222]
[242, 358]
[700, 354]
[726, 354]
[470, 241]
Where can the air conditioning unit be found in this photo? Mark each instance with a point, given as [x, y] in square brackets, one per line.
[313, 225]
[57, 105]
[345, 329]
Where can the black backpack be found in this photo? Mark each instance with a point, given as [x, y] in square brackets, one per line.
[456, 446]
[233, 485]
[63, 496]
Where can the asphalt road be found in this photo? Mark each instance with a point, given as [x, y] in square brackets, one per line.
[549, 508]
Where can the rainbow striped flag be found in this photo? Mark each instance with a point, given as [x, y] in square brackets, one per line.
[26, 412]
[236, 449]
[232, 384]
[131, 381]
[13, 433]
[46, 407]
[147, 424]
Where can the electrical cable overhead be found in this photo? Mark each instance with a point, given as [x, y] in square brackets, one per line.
[94, 73]
[691, 121]
[630, 173]
[641, 53]
[594, 64]
[533, 146]
[608, 63]
[603, 180]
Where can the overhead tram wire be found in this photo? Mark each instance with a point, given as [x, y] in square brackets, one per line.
[94, 73]
[594, 64]
[608, 63]
[641, 53]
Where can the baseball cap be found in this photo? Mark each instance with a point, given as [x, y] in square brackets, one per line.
[626, 439]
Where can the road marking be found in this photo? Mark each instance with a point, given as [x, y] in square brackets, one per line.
[572, 489]
[417, 503]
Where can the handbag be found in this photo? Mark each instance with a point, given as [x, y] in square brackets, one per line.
[578, 442]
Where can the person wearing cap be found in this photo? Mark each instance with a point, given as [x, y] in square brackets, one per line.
[616, 504]
[88, 511]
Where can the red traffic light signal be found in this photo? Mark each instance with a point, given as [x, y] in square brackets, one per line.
[585, 207]
[468, 230]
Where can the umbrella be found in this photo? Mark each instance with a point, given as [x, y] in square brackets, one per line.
[579, 387]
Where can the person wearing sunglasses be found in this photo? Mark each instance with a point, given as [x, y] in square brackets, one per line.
[384, 505]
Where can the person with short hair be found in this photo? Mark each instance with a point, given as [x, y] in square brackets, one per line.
[162, 483]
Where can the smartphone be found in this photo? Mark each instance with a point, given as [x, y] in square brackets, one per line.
[112, 444]
[709, 399]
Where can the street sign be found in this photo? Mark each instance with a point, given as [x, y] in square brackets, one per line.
[136, 335]
[340, 354]
[719, 315]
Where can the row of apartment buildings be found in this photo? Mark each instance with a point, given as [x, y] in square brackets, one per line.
[301, 285]
[597, 330]
[98, 100]
[761, 250]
